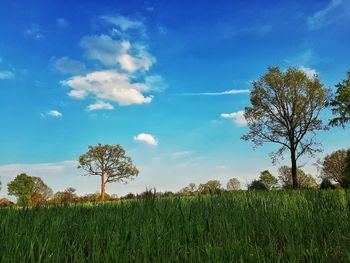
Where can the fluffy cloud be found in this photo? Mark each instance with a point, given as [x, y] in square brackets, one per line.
[6, 74]
[237, 117]
[66, 65]
[100, 105]
[111, 52]
[147, 138]
[108, 85]
[311, 73]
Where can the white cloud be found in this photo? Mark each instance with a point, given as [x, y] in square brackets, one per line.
[226, 92]
[100, 105]
[52, 113]
[310, 73]
[66, 65]
[123, 22]
[148, 138]
[6, 74]
[111, 52]
[237, 117]
[156, 83]
[108, 85]
[335, 10]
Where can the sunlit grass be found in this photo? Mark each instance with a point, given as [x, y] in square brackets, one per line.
[294, 226]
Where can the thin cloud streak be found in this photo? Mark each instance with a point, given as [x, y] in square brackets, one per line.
[226, 92]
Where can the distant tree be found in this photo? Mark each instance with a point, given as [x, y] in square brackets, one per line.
[333, 166]
[341, 103]
[41, 192]
[109, 162]
[188, 190]
[192, 187]
[66, 197]
[286, 110]
[268, 179]
[257, 185]
[233, 184]
[22, 187]
[210, 187]
[326, 184]
[345, 183]
[305, 180]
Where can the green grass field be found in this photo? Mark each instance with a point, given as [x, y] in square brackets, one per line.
[277, 226]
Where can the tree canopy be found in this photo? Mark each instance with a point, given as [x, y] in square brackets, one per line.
[233, 184]
[286, 180]
[22, 187]
[268, 179]
[285, 109]
[109, 162]
[341, 103]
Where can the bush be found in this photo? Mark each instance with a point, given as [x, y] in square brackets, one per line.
[326, 184]
[257, 185]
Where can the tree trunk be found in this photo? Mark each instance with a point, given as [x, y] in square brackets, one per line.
[294, 168]
[103, 186]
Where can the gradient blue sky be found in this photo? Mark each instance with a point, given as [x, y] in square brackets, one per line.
[165, 79]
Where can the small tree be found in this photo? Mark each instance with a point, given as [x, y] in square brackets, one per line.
[268, 179]
[345, 180]
[41, 192]
[341, 103]
[286, 110]
[305, 180]
[22, 187]
[109, 162]
[233, 184]
[333, 166]
[210, 187]
[257, 185]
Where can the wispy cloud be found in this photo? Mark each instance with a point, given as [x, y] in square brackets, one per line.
[237, 117]
[335, 10]
[61, 23]
[100, 105]
[226, 92]
[52, 113]
[6, 74]
[182, 154]
[123, 22]
[311, 73]
[67, 65]
[34, 31]
[147, 138]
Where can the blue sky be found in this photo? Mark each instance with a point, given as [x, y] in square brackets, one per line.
[167, 80]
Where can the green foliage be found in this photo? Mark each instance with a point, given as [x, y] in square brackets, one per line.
[22, 187]
[237, 226]
[341, 103]
[326, 184]
[268, 179]
[333, 166]
[285, 109]
[345, 180]
[210, 187]
[109, 162]
[233, 184]
[305, 180]
[257, 185]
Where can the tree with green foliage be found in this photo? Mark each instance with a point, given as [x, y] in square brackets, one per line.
[257, 185]
[341, 103]
[233, 184]
[333, 166]
[188, 190]
[268, 179]
[286, 179]
[285, 109]
[345, 180]
[210, 187]
[22, 187]
[109, 162]
[326, 184]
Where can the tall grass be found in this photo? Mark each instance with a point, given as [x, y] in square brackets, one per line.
[288, 226]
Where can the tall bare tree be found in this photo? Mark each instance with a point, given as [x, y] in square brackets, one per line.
[109, 162]
[285, 109]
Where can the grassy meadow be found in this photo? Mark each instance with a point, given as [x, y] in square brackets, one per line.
[239, 226]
